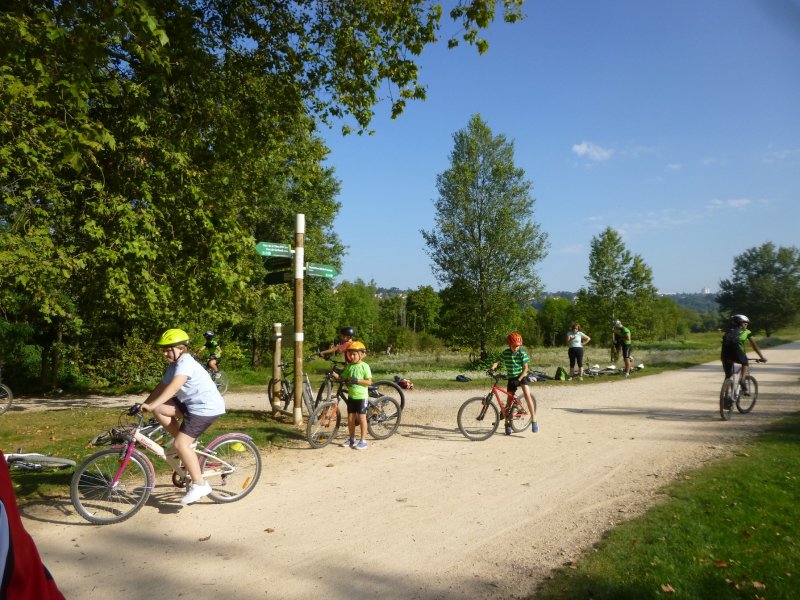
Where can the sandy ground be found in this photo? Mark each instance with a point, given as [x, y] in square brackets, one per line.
[426, 513]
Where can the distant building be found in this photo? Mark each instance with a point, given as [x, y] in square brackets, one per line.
[706, 290]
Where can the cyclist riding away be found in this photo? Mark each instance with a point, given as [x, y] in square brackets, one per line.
[215, 353]
[515, 364]
[733, 348]
[186, 393]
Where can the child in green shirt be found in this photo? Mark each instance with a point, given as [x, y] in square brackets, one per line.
[358, 376]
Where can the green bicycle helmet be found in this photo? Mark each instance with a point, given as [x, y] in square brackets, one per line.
[173, 337]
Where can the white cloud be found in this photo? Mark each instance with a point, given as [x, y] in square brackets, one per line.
[717, 204]
[674, 166]
[592, 151]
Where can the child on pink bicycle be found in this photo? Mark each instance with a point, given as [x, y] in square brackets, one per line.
[186, 392]
[515, 364]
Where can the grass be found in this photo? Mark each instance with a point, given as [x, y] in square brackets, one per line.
[728, 530]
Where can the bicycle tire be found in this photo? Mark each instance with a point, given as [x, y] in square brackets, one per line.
[221, 382]
[97, 501]
[323, 425]
[6, 398]
[324, 392]
[284, 395]
[478, 418]
[744, 404]
[383, 417]
[38, 462]
[520, 419]
[236, 467]
[390, 389]
[726, 400]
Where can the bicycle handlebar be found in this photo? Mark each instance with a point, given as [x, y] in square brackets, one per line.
[134, 410]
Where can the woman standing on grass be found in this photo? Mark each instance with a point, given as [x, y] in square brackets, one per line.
[576, 340]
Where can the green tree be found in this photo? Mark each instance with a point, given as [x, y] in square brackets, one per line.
[423, 306]
[554, 318]
[765, 286]
[145, 146]
[485, 243]
[619, 287]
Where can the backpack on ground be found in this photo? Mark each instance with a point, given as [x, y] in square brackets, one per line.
[462, 378]
[731, 339]
[561, 374]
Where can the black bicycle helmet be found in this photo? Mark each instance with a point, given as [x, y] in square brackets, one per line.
[208, 334]
[739, 319]
[348, 331]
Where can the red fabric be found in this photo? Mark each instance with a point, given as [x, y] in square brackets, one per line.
[25, 577]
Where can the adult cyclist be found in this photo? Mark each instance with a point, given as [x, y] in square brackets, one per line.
[733, 348]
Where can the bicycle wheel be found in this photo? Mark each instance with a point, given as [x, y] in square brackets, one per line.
[6, 398]
[744, 404]
[520, 418]
[324, 393]
[478, 418]
[221, 382]
[97, 499]
[323, 424]
[234, 468]
[726, 400]
[390, 389]
[39, 462]
[284, 395]
[383, 417]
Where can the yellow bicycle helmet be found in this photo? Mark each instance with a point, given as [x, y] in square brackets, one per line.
[173, 337]
[356, 346]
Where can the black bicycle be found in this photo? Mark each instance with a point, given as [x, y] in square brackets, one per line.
[379, 389]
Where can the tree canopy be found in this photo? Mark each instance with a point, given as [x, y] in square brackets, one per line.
[765, 286]
[145, 146]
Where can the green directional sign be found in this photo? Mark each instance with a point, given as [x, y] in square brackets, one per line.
[271, 249]
[317, 270]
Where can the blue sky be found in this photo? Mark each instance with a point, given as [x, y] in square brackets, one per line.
[675, 122]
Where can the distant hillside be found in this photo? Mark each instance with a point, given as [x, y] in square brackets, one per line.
[701, 303]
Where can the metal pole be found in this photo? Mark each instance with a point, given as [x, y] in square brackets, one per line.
[299, 263]
[277, 343]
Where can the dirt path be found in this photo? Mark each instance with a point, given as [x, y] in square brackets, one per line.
[423, 514]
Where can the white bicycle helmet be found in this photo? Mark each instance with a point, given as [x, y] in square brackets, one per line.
[739, 319]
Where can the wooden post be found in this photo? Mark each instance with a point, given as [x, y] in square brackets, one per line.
[299, 264]
[277, 345]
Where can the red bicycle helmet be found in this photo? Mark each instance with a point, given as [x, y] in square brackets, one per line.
[514, 339]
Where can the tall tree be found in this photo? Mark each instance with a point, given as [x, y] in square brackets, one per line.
[765, 286]
[485, 244]
[619, 287]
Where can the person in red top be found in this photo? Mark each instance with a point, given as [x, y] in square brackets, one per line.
[347, 334]
[22, 574]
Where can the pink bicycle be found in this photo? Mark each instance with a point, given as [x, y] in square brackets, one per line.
[113, 484]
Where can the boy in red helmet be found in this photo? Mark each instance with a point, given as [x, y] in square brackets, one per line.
[515, 364]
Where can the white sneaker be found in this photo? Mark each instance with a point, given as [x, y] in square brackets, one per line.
[195, 493]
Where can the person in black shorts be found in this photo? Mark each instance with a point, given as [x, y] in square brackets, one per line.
[733, 348]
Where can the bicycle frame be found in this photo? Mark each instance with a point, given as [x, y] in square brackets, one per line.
[138, 437]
